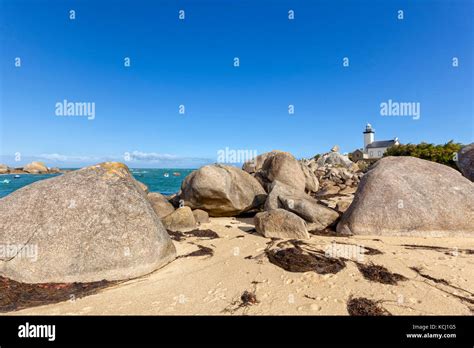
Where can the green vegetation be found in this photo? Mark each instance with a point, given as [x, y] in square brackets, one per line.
[444, 154]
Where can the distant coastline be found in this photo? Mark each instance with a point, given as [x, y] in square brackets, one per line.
[166, 181]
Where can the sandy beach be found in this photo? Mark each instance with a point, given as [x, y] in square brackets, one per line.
[213, 285]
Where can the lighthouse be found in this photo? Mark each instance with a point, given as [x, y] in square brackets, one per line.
[369, 136]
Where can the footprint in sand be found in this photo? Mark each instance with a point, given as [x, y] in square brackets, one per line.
[215, 294]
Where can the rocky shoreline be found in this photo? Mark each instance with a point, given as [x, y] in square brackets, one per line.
[31, 168]
[100, 224]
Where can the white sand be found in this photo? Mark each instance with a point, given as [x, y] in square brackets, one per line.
[210, 285]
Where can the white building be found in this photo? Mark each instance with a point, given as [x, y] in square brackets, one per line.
[375, 149]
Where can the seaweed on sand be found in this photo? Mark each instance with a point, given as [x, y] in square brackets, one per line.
[444, 250]
[379, 274]
[327, 232]
[247, 299]
[448, 284]
[203, 234]
[202, 251]
[295, 260]
[362, 306]
[15, 295]
[179, 236]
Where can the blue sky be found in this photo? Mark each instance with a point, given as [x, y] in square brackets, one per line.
[190, 62]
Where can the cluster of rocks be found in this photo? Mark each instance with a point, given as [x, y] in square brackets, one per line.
[338, 179]
[31, 168]
[274, 185]
[179, 218]
[100, 223]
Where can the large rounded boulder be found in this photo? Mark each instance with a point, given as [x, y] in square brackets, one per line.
[281, 166]
[35, 168]
[87, 225]
[160, 204]
[180, 220]
[4, 169]
[280, 223]
[411, 197]
[466, 161]
[222, 190]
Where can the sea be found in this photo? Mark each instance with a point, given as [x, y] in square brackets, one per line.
[164, 181]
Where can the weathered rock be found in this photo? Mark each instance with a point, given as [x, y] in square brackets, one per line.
[411, 197]
[280, 223]
[54, 170]
[4, 169]
[343, 205]
[310, 210]
[160, 204]
[181, 220]
[335, 148]
[87, 225]
[335, 159]
[255, 164]
[328, 191]
[278, 189]
[201, 216]
[143, 186]
[348, 191]
[35, 168]
[282, 166]
[311, 181]
[465, 161]
[222, 190]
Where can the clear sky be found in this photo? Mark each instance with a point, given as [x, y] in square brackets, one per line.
[191, 62]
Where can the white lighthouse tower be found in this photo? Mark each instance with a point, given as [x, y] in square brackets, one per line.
[369, 136]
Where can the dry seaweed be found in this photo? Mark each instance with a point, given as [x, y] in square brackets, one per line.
[443, 282]
[295, 260]
[202, 251]
[248, 298]
[15, 295]
[362, 306]
[177, 236]
[380, 274]
[203, 234]
[444, 250]
[327, 232]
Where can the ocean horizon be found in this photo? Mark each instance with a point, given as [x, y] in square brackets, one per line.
[166, 181]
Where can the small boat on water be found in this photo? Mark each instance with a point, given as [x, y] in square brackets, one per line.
[17, 177]
[176, 174]
[166, 175]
